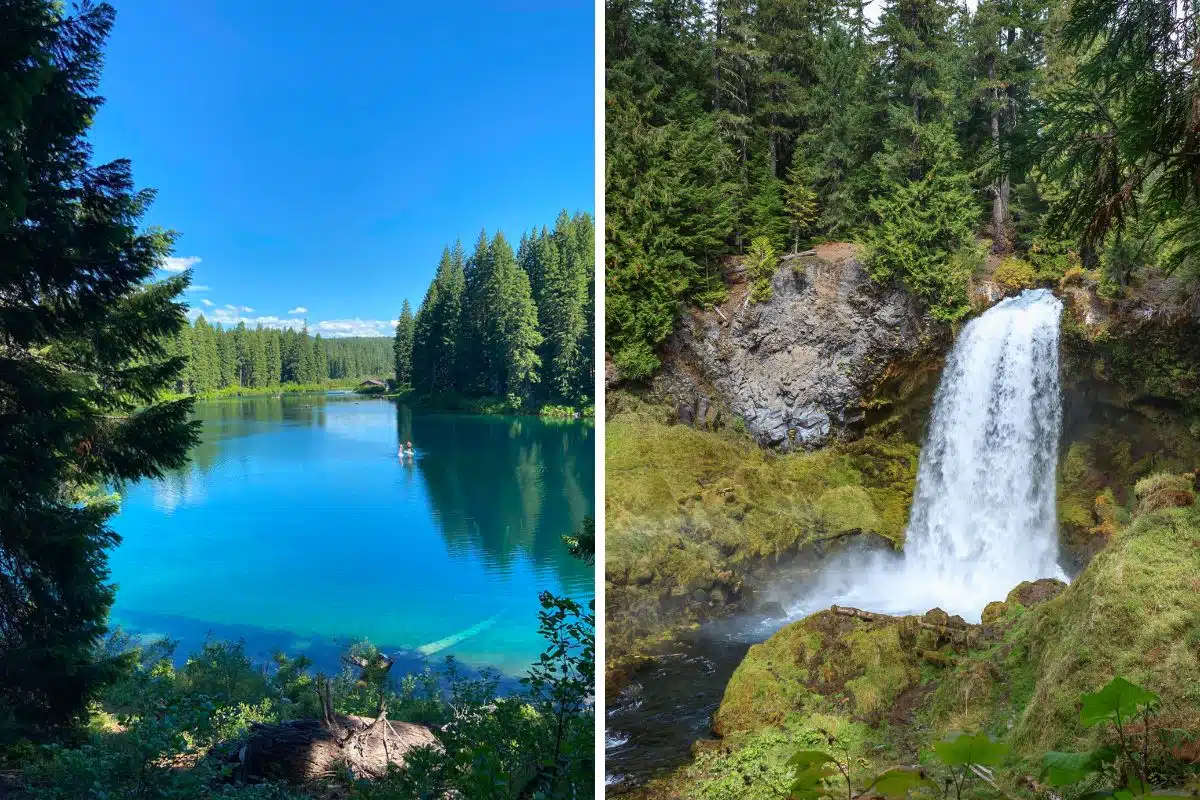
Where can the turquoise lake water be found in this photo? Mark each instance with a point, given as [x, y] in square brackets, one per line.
[296, 527]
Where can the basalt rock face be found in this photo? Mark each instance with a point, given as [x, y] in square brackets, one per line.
[797, 368]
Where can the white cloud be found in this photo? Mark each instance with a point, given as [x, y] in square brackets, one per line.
[335, 328]
[299, 310]
[206, 301]
[230, 316]
[180, 263]
[198, 287]
[248, 309]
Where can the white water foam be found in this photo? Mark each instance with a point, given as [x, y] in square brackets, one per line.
[983, 517]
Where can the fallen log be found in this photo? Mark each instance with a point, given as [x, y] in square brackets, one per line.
[306, 750]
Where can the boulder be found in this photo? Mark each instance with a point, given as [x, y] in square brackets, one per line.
[1030, 593]
[994, 611]
[935, 616]
[797, 368]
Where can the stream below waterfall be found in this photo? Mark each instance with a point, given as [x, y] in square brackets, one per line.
[983, 519]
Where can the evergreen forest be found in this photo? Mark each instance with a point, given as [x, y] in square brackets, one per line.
[941, 138]
[219, 358]
[500, 323]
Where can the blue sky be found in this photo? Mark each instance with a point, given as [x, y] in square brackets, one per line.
[316, 156]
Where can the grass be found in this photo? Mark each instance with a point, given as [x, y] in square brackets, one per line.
[690, 511]
[456, 403]
[285, 388]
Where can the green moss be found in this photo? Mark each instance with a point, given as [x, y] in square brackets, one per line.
[689, 511]
[887, 670]
[847, 508]
[1135, 612]
[827, 663]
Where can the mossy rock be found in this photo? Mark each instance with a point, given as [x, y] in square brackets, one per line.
[692, 515]
[1165, 490]
[826, 662]
[1030, 593]
[848, 508]
[994, 612]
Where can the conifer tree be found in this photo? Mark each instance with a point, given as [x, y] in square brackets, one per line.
[274, 358]
[477, 366]
[1121, 132]
[226, 373]
[81, 365]
[768, 216]
[320, 360]
[512, 324]
[1005, 54]
[258, 359]
[801, 203]
[425, 354]
[403, 346]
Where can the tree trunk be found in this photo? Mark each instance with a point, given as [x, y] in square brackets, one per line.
[1000, 187]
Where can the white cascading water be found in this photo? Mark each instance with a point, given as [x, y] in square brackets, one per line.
[983, 517]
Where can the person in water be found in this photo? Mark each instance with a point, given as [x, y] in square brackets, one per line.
[409, 450]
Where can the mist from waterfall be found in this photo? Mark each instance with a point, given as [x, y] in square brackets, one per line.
[983, 517]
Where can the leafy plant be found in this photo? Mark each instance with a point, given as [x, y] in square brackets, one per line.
[819, 774]
[963, 753]
[1124, 766]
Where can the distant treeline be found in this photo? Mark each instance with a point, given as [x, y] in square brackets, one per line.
[498, 323]
[257, 358]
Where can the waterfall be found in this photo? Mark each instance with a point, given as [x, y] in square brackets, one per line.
[983, 517]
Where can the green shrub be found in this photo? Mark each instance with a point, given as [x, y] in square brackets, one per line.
[636, 361]
[1014, 273]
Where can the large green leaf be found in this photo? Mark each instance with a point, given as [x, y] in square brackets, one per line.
[1119, 697]
[1062, 769]
[899, 781]
[811, 783]
[958, 750]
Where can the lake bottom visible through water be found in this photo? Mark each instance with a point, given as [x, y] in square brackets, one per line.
[297, 528]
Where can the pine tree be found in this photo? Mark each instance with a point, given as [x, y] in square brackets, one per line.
[258, 359]
[562, 313]
[512, 328]
[670, 218]
[402, 347]
[81, 367]
[225, 350]
[424, 351]
[305, 365]
[206, 372]
[320, 360]
[924, 213]
[477, 364]
[1006, 57]
[1121, 131]
[800, 202]
[768, 214]
[274, 358]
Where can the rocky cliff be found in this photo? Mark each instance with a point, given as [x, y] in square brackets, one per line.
[799, 369]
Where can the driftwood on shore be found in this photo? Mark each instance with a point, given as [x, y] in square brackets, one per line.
[305, 750]
[952, 629]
